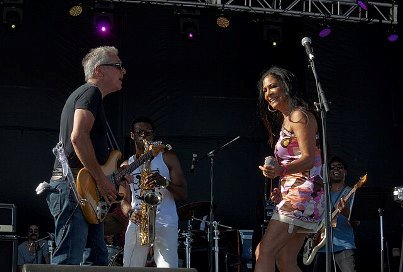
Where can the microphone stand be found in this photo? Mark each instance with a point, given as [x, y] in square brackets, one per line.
[323, 107]
[211, 155]
[38, 247]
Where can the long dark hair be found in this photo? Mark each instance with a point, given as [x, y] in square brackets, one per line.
[273, 120]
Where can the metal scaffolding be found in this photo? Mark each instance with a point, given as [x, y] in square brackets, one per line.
[342, 10]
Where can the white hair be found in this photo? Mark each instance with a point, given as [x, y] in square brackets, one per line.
[95, 57]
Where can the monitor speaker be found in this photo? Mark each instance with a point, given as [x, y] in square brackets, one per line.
[78, 268]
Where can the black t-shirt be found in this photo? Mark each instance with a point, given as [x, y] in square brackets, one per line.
[87, 97]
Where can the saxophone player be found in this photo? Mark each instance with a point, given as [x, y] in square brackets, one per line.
[166, 176]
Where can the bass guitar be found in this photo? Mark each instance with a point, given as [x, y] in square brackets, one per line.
[95, 208]
[317, 240]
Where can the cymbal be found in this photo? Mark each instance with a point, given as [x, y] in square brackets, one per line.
[114, 224]
[194, 209]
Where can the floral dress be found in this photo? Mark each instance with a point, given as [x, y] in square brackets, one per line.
[303, 200]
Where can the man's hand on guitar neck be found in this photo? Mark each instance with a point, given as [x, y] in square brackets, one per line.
[343, 208]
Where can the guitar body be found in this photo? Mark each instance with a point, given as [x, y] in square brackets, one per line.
[312, 245]
[95, 208]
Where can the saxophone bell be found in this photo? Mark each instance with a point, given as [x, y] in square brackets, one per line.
[152, 198]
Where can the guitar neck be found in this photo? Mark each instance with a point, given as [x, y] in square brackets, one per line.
[119, 174]
[345, 199]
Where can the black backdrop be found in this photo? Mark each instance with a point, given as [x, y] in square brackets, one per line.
[201, 95]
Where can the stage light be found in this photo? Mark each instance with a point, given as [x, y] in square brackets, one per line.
[324, 29]
[76, 10]
[273, 34]
[188, 23]
[189, 28]
[363, 4]
[103, 22]
[12, 17]
[103, 17]
[223, 20]
[393, 35]
[12, 13]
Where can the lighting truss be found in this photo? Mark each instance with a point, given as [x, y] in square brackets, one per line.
[342, 10]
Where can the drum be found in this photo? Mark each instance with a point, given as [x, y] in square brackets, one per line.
[115, 255]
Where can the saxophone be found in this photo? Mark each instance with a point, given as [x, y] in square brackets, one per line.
[148, 207]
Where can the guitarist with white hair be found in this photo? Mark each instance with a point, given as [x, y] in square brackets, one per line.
[84, 140]
[344, 249]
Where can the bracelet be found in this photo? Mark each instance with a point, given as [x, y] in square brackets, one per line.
[284, 172]
[129, 214]
[167, 182]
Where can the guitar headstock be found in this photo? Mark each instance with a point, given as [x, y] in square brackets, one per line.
[362, 181]
[157, 147]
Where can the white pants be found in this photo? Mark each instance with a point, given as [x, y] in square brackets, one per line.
[165, 248]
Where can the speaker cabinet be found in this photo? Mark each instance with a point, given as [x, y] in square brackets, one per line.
[78, 268]
[8, 249]
[8, 218]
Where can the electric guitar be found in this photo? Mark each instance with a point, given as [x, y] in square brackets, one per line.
[317, 240]
[95, 208]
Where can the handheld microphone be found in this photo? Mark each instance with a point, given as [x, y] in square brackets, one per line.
[269, 160]
[192, 166]
[306, 42]
[269, 206]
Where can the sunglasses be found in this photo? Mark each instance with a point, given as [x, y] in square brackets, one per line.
[116, 65]
[337, 166]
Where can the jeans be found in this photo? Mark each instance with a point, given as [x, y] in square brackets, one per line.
[346, 261]
[72, 232]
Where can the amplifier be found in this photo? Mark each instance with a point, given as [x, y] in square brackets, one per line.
[9, 255]
[8, 218]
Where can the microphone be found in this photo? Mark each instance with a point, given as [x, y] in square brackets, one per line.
[269, 206]
[194, 160]
[269, 161]
[306, 42]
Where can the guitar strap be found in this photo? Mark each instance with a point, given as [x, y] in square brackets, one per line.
[351, 206]
[113, 144]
